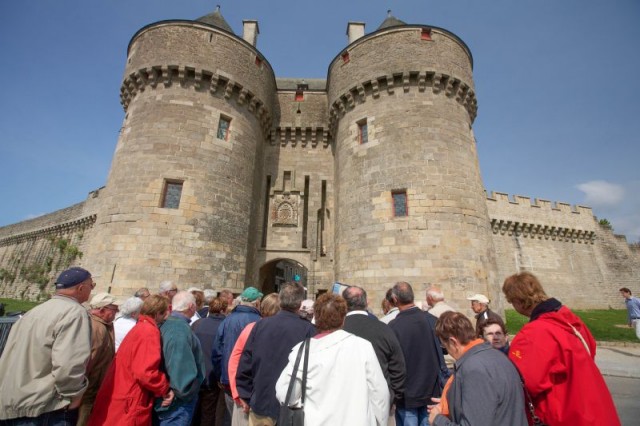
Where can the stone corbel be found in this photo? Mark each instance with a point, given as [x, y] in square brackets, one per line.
[153, 75]
[375, 89]
[451, 86]
[390, 87]
[213, 85]
[243, 96]
[437, 82]
[406, 80]
[197, 82]
[361, 93]
[422, 81]
[228, 90]
[166, 76]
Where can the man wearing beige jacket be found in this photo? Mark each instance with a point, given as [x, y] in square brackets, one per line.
[43, 364]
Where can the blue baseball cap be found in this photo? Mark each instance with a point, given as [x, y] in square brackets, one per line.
[72, 277]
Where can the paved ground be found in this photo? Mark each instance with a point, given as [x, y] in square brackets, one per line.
[620, 365]
[619, 359]
[625, 391]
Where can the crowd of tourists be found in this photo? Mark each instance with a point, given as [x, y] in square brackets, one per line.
[205, 357]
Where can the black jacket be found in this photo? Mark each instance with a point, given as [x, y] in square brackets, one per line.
[416, 337]
[387, 348]
[265, 355]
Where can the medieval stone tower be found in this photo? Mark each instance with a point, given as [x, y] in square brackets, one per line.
[226, 176]
[411, 87]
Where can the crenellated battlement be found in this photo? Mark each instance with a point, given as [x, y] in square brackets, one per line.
[406, 81]
[55, 230]
[526, 202]
[200, 80]
[535, 218]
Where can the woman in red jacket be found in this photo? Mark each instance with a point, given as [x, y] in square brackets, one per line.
[555, 354]
[134, 378]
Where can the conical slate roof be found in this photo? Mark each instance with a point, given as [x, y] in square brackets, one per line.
[390, 21]
[216, 19]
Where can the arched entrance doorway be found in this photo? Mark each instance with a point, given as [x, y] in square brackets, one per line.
[276, 272]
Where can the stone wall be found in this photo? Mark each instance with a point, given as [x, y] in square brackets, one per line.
[419, 116]
[181, 79]
[35, 251]
[578, 261]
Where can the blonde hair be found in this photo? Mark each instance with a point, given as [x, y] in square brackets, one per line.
[270, 305]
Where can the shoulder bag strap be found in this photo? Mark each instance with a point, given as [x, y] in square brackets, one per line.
[294, 373]
[579, 335]
[306, 343]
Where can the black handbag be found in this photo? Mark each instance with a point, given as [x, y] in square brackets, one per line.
[294, 416]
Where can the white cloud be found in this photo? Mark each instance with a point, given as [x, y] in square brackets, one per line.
[601, 193]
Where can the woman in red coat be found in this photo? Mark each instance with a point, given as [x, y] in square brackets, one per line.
[555, 354]
[134, 378]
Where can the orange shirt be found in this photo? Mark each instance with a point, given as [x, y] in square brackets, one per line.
[444, 404]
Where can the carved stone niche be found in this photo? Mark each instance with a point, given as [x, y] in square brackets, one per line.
[284, 210]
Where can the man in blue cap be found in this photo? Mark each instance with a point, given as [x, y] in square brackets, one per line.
[44, 362]
[228, 331]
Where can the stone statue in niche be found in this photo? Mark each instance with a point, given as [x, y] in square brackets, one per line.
[284, 211]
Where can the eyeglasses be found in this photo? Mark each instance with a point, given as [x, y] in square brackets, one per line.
[175, 290]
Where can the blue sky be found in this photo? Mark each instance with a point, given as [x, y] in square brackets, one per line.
[557, 86]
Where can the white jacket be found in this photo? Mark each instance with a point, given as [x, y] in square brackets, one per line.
[345, 385]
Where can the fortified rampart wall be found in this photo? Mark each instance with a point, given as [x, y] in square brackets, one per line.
[35, 251]
[578, 261]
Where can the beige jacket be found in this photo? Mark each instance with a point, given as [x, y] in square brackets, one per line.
[43, 364]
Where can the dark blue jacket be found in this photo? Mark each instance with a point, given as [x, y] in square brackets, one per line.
[226, 337]
[416, 337]
[264, 357]
[205, 330]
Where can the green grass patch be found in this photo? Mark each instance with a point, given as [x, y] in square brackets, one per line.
[605, 324]
[12, 305]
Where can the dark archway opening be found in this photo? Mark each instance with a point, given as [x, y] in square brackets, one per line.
[273, 274]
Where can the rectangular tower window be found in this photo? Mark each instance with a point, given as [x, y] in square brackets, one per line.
[223, 128]
[400, 207]
[345, 57]
[363, 131]
[425, 34]
[171, 194]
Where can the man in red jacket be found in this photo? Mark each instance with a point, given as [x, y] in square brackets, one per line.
[555, 354]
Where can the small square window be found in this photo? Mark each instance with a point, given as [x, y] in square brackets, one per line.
[171, 194]
[299, 96]
[425, 34]
[223, 128]
[363, 131]
[258, 61]
[345, 57]
[400, 207]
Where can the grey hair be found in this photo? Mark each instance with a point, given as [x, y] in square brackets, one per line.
[131, 306]
[403, 292]
[209, 295]
[356, 298]
[166, 286]
[291, 296]
[182, 300]
[435, 293]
